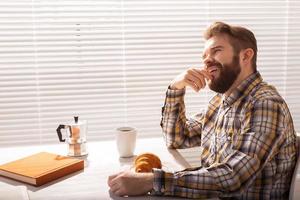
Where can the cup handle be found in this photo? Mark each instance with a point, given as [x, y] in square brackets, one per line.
[58, 130]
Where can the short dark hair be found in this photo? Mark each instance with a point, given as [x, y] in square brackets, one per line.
[239, 37]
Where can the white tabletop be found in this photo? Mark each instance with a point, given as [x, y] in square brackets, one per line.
[102, 161]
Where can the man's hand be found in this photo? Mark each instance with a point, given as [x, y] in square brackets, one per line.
[193, 77]
[130, 183]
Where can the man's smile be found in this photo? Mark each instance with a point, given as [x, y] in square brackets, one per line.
[213, 70]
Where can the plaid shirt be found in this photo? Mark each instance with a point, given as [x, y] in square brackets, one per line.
[248, 140]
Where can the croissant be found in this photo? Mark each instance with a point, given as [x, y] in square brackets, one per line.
[146, 162]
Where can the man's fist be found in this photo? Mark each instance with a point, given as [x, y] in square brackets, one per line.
[130, 183]
[193, 77]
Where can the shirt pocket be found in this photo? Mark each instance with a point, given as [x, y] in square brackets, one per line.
[232, 124]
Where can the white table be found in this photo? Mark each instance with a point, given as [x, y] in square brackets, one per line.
[91, 183]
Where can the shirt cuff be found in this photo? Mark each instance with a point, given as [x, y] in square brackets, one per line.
[163, 183]
[172, 93]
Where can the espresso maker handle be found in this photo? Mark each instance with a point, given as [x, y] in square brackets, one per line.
[58, 130]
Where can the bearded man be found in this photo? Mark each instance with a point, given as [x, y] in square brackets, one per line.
[246, 132]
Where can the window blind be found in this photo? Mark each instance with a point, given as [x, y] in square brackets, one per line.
[292, 61]
[111, 61]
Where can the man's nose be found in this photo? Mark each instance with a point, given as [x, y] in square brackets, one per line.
[208, 60]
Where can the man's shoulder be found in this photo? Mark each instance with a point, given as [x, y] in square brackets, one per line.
[265, 92]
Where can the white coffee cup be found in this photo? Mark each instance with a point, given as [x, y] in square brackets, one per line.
[126, 139]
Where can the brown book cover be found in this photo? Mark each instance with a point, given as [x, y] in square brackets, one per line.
[41, 168]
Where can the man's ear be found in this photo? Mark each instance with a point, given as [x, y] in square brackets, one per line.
[246, 55]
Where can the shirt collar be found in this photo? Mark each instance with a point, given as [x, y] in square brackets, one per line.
[243, 89]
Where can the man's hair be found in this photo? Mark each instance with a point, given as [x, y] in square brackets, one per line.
[239, 37]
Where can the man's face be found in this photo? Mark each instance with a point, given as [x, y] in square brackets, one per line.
[222, 63]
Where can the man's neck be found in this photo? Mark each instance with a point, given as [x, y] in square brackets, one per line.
[237, 82]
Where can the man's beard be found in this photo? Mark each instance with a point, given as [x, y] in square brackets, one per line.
[228, 74]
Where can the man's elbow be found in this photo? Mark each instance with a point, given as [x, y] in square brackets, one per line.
[171, 145]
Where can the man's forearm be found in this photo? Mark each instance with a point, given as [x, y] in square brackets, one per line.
[202, 183]
[179, 131]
